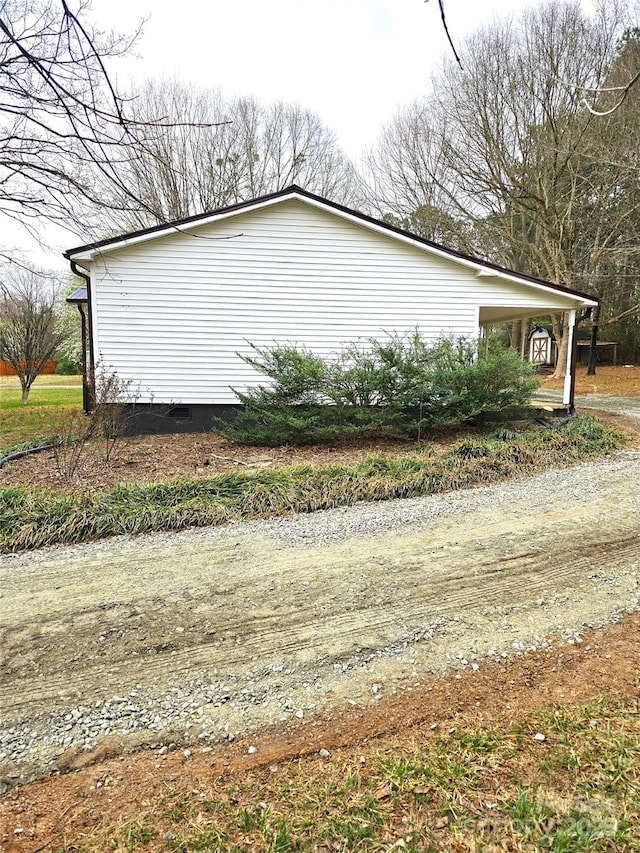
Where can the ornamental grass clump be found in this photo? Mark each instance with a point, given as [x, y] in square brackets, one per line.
[36, 518]
[399, 387]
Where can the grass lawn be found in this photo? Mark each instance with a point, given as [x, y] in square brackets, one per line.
[50, 380]
[50, 399]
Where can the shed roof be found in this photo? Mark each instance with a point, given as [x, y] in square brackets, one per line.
[79, 295]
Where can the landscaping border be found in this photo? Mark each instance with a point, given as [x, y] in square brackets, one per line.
[37, 518]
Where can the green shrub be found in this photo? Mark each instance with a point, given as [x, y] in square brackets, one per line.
[67, 367]
[271, 424]
[298, 376]
[401, 387]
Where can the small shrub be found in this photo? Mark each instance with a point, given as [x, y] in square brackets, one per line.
[297, 375]
[115, 403]
[67, 367]
[73, 430]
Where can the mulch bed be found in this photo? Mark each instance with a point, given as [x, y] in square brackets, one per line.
[152, 458]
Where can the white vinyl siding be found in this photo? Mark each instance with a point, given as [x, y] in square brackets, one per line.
[171, 313]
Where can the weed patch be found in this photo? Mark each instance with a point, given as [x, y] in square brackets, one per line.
[461, 791]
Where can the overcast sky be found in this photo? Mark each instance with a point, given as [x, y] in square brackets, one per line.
[355, 62]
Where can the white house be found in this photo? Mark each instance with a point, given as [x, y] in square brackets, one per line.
[169, 307]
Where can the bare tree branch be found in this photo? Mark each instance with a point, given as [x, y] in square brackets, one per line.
[446, 29]
[243, 150]
[630, 312]
[65, 132]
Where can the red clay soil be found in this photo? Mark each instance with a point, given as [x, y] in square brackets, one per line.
[104, 788]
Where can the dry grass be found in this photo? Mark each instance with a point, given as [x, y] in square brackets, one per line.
[31, 518]
[478, 789]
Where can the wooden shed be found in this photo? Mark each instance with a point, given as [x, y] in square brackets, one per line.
[542, 346]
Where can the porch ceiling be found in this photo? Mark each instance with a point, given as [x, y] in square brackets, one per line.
[501, 314]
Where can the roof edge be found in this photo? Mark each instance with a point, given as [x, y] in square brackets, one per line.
[294, 191]
[178, 224]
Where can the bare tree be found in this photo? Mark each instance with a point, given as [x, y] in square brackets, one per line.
[66, 136]
[214, 151]
[61, 121]
[29, 335]
[507, 147]
[605, 100]
[405, 174]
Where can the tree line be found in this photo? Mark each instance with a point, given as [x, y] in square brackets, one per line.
[526, 154]
[508, 158]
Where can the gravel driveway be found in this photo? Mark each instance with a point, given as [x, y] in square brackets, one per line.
[604, 402]
[200, 635]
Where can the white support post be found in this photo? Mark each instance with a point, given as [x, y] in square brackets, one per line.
[568, 376]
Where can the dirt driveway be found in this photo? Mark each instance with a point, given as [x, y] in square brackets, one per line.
[207, 634]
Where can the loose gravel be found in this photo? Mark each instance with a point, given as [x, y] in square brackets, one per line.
[268, 622]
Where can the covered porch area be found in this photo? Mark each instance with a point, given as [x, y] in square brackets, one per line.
[494, 315]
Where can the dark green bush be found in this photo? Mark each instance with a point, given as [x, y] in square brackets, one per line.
[297, 376]
[67, 367]
[399, 387]
[271, 424]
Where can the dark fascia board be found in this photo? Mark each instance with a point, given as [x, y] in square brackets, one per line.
[294, 190]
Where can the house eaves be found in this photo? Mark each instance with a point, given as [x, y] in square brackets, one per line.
[483, 269]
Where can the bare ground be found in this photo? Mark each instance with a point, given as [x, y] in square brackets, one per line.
[153, 458]
[106, 787]
[620, 381]
[374, 631]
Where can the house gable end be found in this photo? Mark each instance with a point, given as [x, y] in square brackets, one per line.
[196, 228]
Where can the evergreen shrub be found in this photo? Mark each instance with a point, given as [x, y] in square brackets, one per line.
[399, 387]
[67, 367]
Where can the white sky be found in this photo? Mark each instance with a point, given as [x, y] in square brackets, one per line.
[355, 62]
